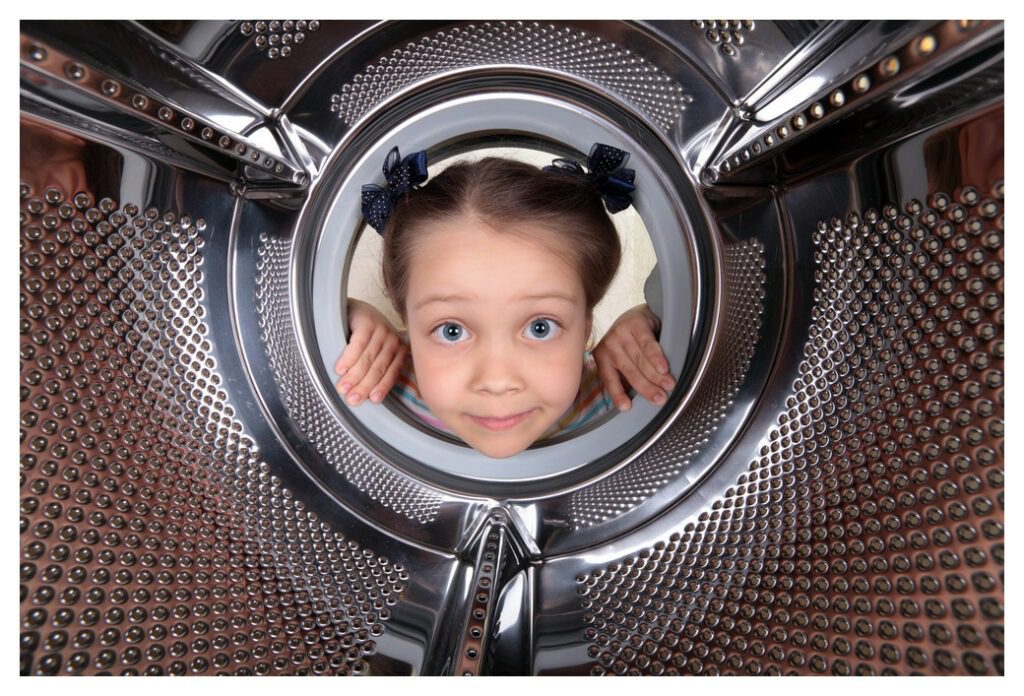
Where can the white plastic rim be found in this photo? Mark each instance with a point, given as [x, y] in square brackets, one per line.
[545, 118]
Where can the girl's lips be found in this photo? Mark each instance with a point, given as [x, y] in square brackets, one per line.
[506, 423]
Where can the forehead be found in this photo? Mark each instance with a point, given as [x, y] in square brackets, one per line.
[467, 254]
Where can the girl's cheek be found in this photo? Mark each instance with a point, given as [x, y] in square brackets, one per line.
[442, 354]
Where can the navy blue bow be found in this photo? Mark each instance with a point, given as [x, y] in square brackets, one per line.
[607, 175]
[400, 175]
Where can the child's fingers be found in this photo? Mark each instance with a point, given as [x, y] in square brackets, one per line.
[630, 361]
[639, 358]
[390, 377]
[375, 371]
[651, 349]
[356, 346]
[360, 365]
[612, 383]
[647, 354]
[355, 372]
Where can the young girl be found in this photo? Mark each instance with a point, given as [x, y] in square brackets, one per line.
[495, 267]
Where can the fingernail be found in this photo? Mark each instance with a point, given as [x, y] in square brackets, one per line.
[624, 405]
[659, 399]
[344, 388]
[342, 371]
[663, 368]
[354, 399]
[667, 384]
[376, 397]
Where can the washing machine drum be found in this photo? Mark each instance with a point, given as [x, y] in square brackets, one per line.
[822, 493]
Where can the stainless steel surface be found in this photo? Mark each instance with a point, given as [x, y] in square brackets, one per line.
[823, 493]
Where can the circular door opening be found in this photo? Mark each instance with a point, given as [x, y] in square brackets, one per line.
[541, 129]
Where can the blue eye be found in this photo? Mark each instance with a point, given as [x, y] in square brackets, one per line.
[543, 329]
[449, 332]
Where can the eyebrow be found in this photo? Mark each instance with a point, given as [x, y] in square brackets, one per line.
[464, 298]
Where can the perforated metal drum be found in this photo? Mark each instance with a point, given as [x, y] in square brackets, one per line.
[822, 493]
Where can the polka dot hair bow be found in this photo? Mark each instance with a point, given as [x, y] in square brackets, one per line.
[607, 175]
[400, 175]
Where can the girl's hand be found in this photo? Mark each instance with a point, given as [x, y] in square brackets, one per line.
[369, 365]
[629, 355]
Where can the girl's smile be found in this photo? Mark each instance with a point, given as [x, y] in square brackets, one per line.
[504, 422]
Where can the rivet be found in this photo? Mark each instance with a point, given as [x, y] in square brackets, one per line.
[165, 114]
[926, 45]
[206, 133]
[837, 98]
[74, 71]
[799, 121]
[110, 88]
[246, 28]
[782, 131]
[140, 102]
[889, 66]
[861, 84]
[224, 141]
[187, 124]
[965, 24]
[817, 110]
[37, 53]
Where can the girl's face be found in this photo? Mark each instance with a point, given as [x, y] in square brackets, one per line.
[497, 328]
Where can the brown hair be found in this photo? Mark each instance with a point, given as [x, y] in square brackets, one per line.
[504, 194]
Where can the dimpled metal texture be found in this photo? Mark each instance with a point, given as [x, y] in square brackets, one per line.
[867, 536]
[615, 69]
[153, 538]
[278, 37]
[727, 34]
[729, 365]
[315, 420]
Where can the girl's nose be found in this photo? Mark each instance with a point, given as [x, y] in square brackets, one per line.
[498, 371]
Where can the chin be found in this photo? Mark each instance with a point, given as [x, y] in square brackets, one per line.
[497, 445]
[498, 450]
